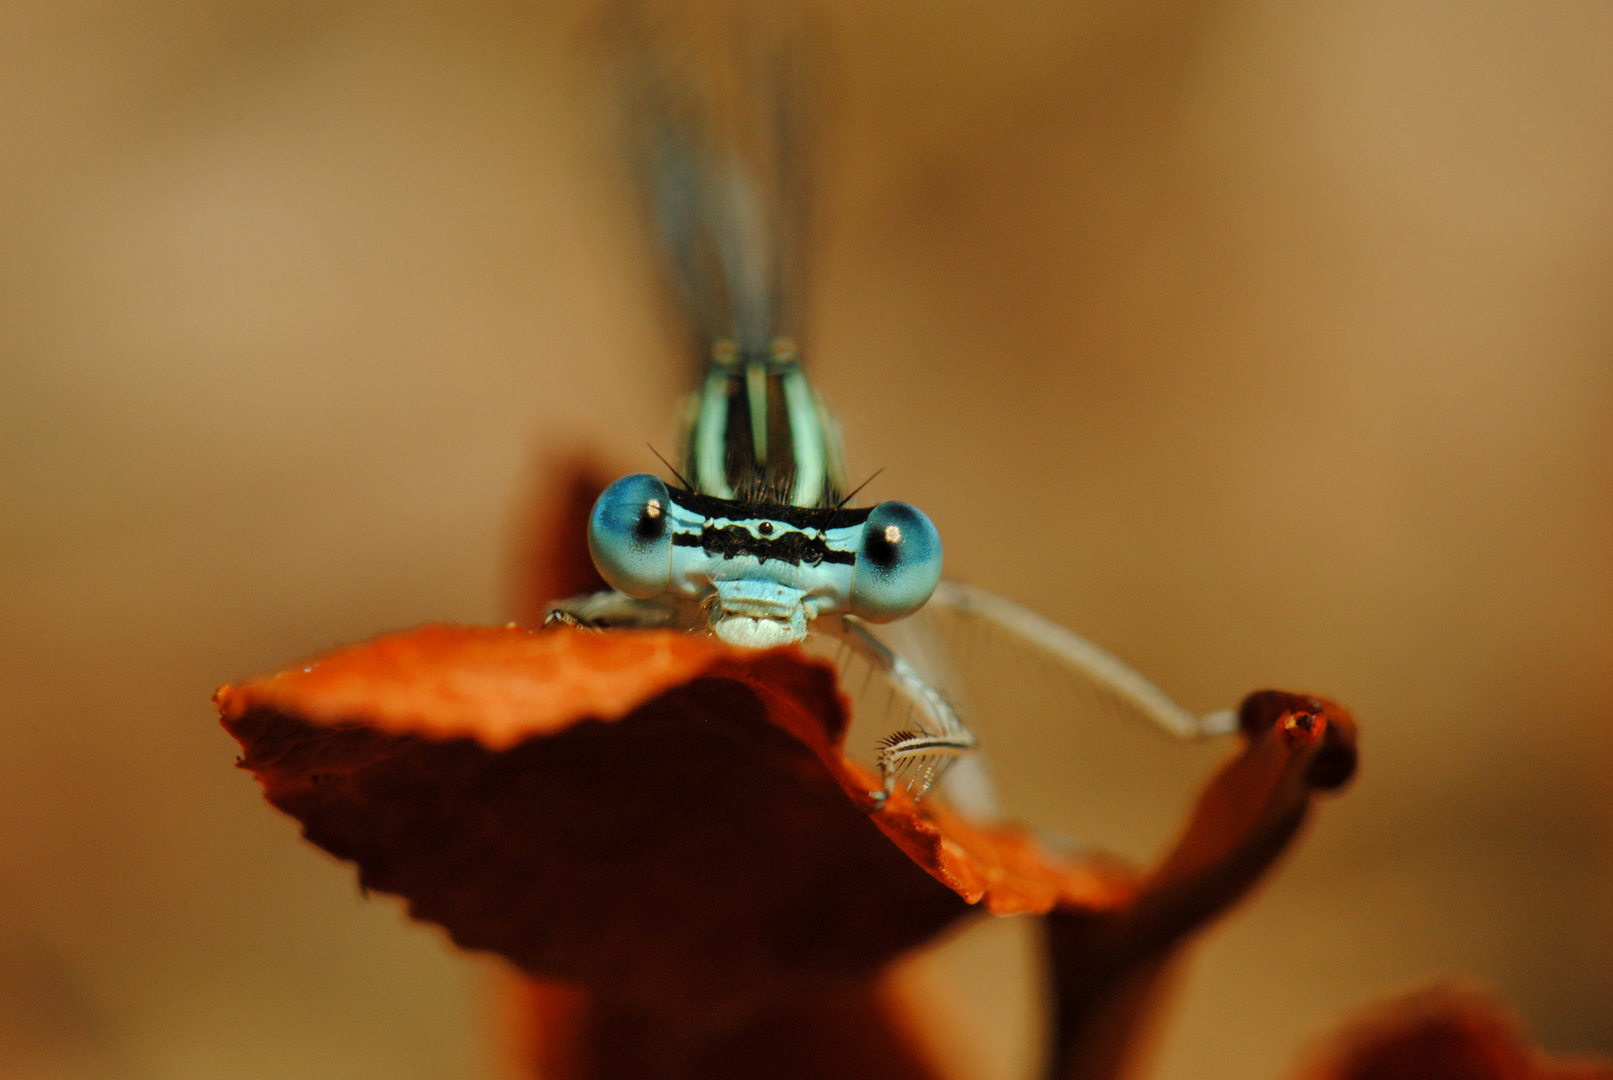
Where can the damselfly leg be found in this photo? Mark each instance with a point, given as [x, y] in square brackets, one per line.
[920, 756]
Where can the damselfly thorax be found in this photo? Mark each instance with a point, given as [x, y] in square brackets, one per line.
[756, 432]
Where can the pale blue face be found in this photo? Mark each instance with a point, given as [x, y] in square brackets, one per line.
[767, 571]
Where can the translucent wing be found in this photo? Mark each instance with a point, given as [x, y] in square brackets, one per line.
[1069, 728]
[1109, 682]
[715, 116]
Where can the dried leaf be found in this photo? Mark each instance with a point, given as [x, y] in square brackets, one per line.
[664, 819]
[669, 826]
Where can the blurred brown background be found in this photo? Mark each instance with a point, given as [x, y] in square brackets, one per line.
[1266, 344]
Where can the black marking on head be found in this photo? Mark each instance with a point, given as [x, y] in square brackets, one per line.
[797, 517]
[793, 548]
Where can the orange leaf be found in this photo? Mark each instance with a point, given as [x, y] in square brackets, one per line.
[661, 818]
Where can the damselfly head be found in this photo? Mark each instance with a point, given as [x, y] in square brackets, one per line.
[763, 572]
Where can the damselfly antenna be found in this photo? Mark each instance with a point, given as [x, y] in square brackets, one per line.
[686, 485]
[859, 487]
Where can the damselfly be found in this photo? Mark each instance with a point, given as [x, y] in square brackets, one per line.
[754, 539]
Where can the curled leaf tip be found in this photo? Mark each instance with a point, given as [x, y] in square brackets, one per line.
[1306, 719]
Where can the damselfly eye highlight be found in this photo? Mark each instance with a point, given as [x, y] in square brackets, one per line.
[898, 563]
[630, 536]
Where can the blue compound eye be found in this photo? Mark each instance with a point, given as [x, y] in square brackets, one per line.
[630, 536]
[898, 563]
